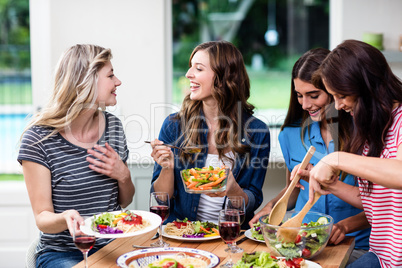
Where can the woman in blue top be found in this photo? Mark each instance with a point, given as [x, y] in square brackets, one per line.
[311, 120]
[216, 117]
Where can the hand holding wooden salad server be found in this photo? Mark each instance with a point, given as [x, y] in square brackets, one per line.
[280, 208]
[288, 231]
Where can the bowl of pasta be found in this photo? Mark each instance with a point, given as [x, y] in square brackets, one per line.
[204, 180]
[123, 223]
[168, 257]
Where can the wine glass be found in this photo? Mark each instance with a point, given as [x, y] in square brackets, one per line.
[82, 241]
[238, 203]
[159, 204]
[229, 230]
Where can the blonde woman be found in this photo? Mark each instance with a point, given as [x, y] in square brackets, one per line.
[73, 154]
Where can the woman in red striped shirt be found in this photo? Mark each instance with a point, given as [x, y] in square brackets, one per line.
[362, 83]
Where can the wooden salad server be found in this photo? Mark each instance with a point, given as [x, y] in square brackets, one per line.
[288, 231]
[280, 208]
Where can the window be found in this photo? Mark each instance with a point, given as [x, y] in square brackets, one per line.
[15, 82]
[271, 34]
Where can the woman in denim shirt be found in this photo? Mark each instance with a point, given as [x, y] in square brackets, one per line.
[313, 120]
[216, 117]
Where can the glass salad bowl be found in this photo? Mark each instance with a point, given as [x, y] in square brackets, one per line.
[204, 180]
[312, 236]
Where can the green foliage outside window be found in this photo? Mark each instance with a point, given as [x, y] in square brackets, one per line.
[197, 21]
[14, 34]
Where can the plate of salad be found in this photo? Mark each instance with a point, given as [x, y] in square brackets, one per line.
[193, 231]
[254, 235]
[262, 259]
[122, 223]
[204, 180]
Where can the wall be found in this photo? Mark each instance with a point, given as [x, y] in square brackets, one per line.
[349, 19]
[17, 224]
[139, 34]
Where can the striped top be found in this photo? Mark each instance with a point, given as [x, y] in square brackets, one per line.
[74, 184]
[383, 206]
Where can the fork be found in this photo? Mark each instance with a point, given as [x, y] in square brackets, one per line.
[137, 246]
[152, 238]
[155, 236]
[187, 150]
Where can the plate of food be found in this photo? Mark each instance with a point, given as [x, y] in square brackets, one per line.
[168, 257]
[302, 263]
[122, 223]
[250, 234]
[260, 259]
[204, 180]
[194, 231]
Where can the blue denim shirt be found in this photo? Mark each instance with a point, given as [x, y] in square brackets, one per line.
[294, 151]
[249, 172]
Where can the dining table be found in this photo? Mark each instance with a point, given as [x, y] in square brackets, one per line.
[333, 256]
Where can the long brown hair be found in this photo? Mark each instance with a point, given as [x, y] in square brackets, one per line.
[231, 90]
[357, 69]
[304, 69]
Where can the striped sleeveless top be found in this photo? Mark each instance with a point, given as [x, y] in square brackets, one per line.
[74, 184]
[383, 206]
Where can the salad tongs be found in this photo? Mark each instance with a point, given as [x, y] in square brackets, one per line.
[279, 210]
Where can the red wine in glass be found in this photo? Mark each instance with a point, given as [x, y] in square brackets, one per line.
[159, 203]
[162, 211]
[238, 203]
[84, 243]
[229, 231]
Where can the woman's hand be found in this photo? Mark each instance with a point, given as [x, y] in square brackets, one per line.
[324, 174]
[71, 215]
[322, 178]
[108, 162]
[162, 155]
[304, 174]
[266, 210]
[229, 185]
[338, 234]
[348, 225]
[232, 188]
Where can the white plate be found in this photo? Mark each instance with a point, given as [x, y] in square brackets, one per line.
[249, 235]
[188, 239]
[143, 257]
[309, 263]
[153, 218]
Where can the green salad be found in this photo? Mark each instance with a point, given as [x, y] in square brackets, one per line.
[256, 231]
[262, 259]
[307, 243]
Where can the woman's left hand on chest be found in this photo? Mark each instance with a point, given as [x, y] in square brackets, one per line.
[107, 161]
